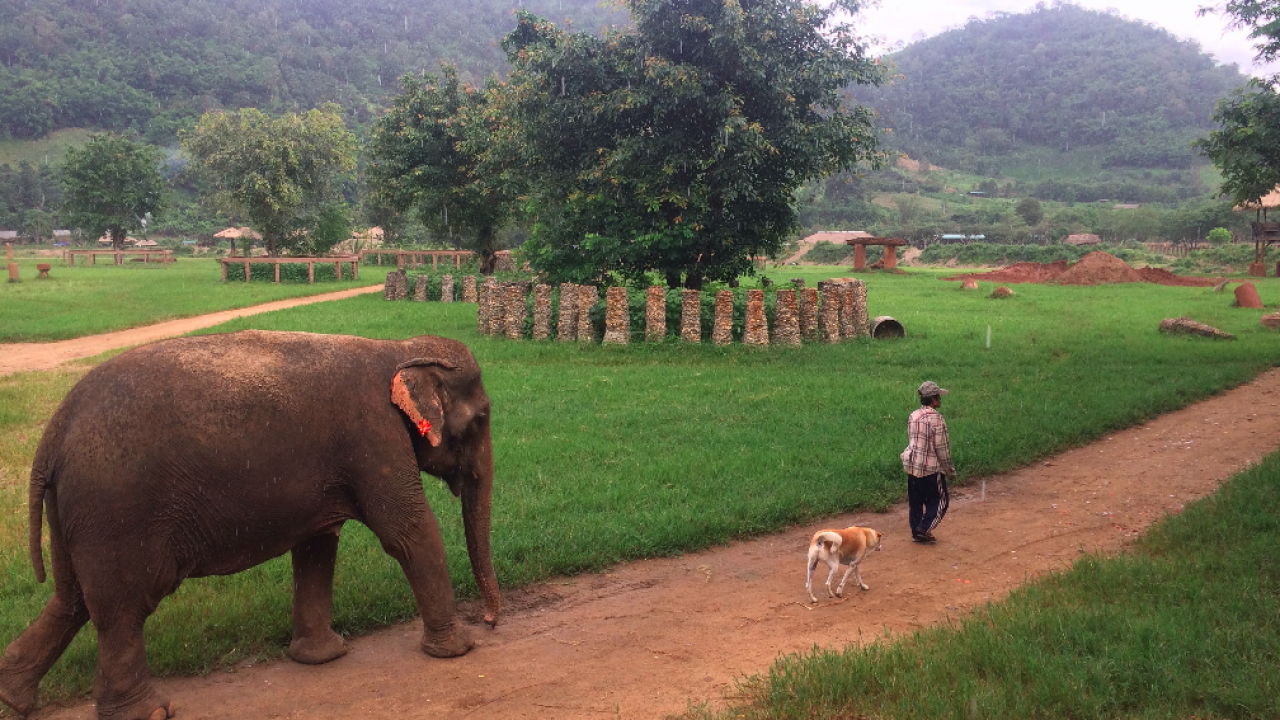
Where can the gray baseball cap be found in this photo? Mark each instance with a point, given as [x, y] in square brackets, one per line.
[930, 388]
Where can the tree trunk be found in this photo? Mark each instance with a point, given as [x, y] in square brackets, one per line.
[693, 281]
[673, 279]
[117, 238]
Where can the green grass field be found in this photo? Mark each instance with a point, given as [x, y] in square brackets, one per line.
[80, 301]
[608, 453]
[1182, 627]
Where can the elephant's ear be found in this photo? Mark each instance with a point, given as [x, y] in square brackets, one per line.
[416, 391]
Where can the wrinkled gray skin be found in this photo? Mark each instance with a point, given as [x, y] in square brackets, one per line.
[209, 455]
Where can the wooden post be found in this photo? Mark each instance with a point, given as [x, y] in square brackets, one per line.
[93, 258]
[277, 272]
[434, 259]
[337, 270]
[246, 271]
[457, 261]
[311, 272]
[224, 270]
[859, 257]
[355, 271]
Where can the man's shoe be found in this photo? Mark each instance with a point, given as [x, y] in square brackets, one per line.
[923, 537]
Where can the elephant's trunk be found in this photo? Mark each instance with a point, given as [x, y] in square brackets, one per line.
[477, 499]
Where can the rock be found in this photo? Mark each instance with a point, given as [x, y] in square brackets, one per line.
[1222, 285]
[1247, 296]
[829, 315]
[567, 324]
[786, 319]
[484, 298]
[469, 288]
[1188, 326]
[691, 316]
[722, 330]
[497, 307]
[541, 312]
[446, 288]
[757, 326]
[617, 317]
[1271, 321]
[861, 326]
[655, 314]
[848, 321]
[588, 296]
[515, 309]
[969, 284]
[420, 288]
[1001, 292]
[809, 314]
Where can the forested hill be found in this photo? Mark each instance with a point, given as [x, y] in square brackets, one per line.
[150, 65]
[1058, 77]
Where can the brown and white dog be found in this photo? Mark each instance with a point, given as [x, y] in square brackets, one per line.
[840, 547]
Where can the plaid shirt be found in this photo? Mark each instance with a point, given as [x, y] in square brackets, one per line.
[928, 450]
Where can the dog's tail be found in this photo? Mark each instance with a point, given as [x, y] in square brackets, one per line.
[828, 540]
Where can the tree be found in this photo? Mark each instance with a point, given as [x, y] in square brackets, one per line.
[281, 173]
[110, 184]
[1246, 149]
[677, 144]
[434, 151]
[1219, 236]
[1030, 211]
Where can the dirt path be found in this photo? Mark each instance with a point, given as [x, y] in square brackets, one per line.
[24, 357]
[640, 641]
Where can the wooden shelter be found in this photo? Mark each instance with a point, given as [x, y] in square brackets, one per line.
[860, 244]
[236, 233]
[1082, 239]
[1264, 233]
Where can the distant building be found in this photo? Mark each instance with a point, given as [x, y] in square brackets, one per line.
[8, 235]
[1125, 206]
[1082, 239]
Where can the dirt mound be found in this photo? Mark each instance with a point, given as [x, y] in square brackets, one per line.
[1023, 272]
[1096, 268]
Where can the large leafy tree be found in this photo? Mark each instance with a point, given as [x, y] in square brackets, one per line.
[282, 173]
[434, 152]
[110, 184]
[676, 144]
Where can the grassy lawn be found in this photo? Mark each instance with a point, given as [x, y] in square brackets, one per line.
[1184, 626]
[82, 301]
[607, 453]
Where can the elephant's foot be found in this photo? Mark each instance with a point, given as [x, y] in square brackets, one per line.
[452, 642]
[16, 692]
[317, 649]
[153, 709]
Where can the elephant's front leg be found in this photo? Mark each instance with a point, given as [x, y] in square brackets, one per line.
[314, 640]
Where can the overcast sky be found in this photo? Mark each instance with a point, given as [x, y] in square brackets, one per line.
[907, 20]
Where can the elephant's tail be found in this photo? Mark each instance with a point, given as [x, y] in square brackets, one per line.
[35, 509]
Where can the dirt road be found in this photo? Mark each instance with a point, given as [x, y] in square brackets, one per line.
[640, 641]
[24, 357]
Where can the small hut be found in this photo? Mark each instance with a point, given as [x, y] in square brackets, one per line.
[1082, 239]
[860, 244]
[1264, 233]
[237, 233]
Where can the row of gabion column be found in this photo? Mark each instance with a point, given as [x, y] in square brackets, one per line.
[397, 287]
[832, 312]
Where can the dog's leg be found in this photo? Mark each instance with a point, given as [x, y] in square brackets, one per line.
[833, 564]
[857, 575]
[843, 580]
[808, 583]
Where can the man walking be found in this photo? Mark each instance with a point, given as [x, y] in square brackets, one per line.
[927, 461]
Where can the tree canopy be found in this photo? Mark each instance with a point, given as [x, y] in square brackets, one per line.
[112, 185]
[676, 145]
[434, 152]
[281, 173]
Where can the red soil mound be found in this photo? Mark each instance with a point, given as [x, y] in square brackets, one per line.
[1096, 268]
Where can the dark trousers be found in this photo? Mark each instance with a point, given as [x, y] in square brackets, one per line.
[927, 499]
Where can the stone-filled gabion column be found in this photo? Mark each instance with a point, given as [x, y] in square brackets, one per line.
[446, 288]
[786, 319]
[861, 323]
[468, 288]
[722, 330]
[757, 327]
[483, 296]
[655, 314]
[617, 317]
[847, 327]
[397, 287]
[420, 288]
[830, 313]
[497, 307]
[691, 316]
[541, 312]
[567, 324]
[588, 295]
[516, 311]
[809, 314]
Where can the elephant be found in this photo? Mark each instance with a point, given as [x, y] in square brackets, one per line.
[208, 455]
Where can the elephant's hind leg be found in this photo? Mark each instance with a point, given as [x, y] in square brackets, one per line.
[30, 656]
[314, 640]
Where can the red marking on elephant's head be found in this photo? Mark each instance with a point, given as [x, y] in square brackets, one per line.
[403, 399]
